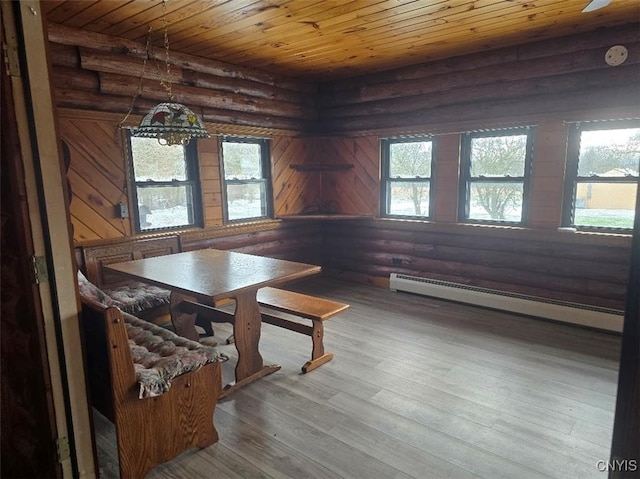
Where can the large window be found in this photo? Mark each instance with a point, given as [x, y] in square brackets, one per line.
[406, 177]
[602, 175]
[246, 167]
[166, 190]
[494, 176]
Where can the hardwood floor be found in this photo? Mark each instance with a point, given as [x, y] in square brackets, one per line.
[419, 388]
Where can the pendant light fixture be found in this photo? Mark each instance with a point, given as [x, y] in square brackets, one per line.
[171, 123]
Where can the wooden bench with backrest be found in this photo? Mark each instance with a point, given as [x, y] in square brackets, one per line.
[159, 389]
[143, 300]
[298, 305]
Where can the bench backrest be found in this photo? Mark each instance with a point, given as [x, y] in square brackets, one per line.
[95, 257]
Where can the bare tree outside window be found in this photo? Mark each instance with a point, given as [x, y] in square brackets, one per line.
[246, 174]
[407, 177]
[495, 172]
[498, 156]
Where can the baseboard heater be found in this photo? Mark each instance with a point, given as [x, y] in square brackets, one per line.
[591, 316]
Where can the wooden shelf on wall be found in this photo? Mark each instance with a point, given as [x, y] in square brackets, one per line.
[327, 167]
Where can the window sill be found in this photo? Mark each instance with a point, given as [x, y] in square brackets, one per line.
[325, 216]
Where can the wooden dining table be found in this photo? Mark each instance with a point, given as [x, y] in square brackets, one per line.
[200, 280]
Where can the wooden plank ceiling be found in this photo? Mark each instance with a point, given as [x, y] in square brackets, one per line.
[333, 39]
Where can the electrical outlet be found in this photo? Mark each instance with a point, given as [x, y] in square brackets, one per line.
[123, 210]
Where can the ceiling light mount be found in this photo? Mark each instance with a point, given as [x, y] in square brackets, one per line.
[616, 55]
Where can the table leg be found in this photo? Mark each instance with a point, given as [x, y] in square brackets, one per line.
[246, 332]
[184, 323]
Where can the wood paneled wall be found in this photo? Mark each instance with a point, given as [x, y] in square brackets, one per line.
[99, 165]
[97, 174]
[294, 191]
[357, 189]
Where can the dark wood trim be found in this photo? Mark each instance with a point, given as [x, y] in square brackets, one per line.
[625, 444]
[28, 416]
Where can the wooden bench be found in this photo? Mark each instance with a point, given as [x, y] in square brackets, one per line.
[154, 429]
[272, 300]
[143, 300]
[318, 310]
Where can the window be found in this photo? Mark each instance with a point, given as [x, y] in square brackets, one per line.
[602, 175]
[406, 177]
[494, 176]
[247, 186]
[166, 191]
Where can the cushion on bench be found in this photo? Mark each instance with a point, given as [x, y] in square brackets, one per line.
[91, 291]
[136, 297]
[130, 298]
[160, 355]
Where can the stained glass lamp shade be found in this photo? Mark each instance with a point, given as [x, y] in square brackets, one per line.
[171, 124]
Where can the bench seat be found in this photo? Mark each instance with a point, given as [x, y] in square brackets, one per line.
[143, 300]
[160, 390]
[159, 355]
[273, 301]
[134, 298]
[137, 297]
[304, 306]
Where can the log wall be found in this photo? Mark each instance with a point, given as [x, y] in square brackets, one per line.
[295, 241]
[582, 268]
[299, 241]
[542, 78]
[104, 73]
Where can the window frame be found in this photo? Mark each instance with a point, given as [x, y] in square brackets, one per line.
[571, 178]
[265, 167]
[466, 180]
[192, 171]
[386, 180]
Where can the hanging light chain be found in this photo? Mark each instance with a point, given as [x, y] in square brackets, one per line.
[166, 84]
[169, 122]
[139, 89]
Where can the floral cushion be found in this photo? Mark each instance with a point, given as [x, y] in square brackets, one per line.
[136, 297]
[91, 291]
[160, 355]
